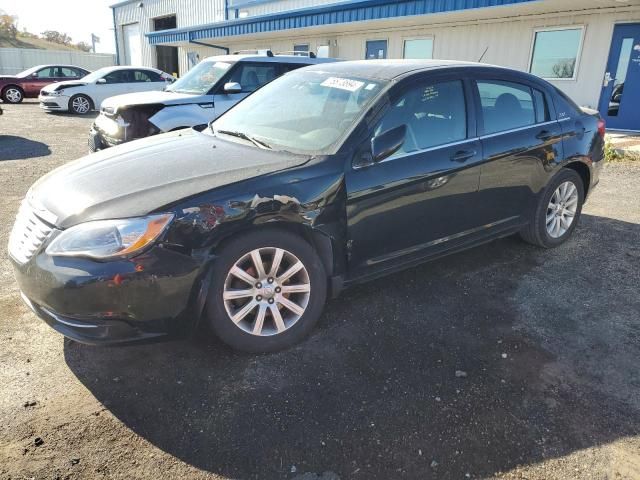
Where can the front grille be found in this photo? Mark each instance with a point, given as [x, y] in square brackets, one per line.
[28, 234]
[50, 104]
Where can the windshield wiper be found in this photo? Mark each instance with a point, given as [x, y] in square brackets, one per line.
[244, 136]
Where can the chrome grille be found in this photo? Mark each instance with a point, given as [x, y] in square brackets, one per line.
[28, 234]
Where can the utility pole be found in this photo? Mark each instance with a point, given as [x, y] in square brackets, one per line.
[94, 39]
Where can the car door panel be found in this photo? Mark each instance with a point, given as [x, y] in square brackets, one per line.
[516, 160]
[414, 203]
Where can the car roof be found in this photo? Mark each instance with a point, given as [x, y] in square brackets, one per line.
[277, 58]
[128, 67]
[391, 69]
[59, 65]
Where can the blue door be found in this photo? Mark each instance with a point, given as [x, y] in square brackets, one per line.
[376, 49]
[620, 95]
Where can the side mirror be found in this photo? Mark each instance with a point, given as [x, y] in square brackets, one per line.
[101, 81]
[387, 143]
[232, 87]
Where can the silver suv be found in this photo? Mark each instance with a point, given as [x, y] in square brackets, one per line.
[204, 93]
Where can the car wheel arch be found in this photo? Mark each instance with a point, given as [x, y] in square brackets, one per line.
[7, 87]
[583, 170]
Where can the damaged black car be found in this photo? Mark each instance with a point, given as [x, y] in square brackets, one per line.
[328, 176]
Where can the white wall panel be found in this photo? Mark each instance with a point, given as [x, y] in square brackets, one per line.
[15, 60]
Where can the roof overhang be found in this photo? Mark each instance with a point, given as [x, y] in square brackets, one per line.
[325, 15]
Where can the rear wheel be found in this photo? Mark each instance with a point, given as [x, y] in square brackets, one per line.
[80, 104]
[12, 94]
[268, 291]
[557, 212]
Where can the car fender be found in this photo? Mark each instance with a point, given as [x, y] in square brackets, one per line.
[189, 115]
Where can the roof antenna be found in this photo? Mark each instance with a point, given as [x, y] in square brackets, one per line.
[483, 53]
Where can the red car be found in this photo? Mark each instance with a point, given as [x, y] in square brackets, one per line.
[14, 88]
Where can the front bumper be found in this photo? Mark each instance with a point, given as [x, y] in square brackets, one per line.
[58, 103]
[152, 295]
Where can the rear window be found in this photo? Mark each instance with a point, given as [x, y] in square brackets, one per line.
[565, 107]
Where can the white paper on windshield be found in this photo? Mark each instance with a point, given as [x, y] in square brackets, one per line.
[342, 83]
[222, 65]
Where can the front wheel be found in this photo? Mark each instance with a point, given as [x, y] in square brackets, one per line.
[80, 104]
[557, 212]
[268, 290]
[12, 94]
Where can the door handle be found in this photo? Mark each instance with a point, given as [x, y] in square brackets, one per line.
[462, 155]
[544, 135]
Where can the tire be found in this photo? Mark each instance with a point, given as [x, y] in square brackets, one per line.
[547, 233]
[12, 94]
[80, 104]
[247, 333]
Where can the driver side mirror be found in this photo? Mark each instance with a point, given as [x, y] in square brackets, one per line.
[387, 143]
[232, 87]
[101, 81]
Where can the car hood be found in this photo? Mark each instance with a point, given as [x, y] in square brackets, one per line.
[139, 177]
[113, 104]
[64, 84]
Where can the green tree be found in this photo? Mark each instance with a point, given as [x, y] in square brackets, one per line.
[8, 27]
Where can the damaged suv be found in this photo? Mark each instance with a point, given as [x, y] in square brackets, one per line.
[204, 93]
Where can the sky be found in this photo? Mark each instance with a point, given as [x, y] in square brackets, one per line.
[77, 18]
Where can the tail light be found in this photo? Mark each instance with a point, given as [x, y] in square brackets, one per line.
[601, 127]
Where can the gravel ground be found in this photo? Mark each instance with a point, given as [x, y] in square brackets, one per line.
[504, 361]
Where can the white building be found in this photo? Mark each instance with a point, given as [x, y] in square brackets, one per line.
[588, 48]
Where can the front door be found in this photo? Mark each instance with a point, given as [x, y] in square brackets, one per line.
[376, 49]
[422, 198]
[620, 95]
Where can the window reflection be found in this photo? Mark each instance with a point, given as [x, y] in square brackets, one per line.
[555, 53]
[620, 77]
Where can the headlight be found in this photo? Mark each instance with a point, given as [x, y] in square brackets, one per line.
[108, 125]
[109, 239]
[54, 93]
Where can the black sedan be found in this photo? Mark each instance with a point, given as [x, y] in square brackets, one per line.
[328, 176]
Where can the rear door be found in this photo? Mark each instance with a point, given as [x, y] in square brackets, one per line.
[520, 142]
[422, 199]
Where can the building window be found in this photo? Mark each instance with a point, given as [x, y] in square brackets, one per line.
[301, 50]
[418, 48]
[555, 53]
[375, 49]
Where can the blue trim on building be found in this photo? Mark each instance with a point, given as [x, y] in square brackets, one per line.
[331, 14]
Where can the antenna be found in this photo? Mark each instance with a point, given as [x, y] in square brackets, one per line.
[483, 53]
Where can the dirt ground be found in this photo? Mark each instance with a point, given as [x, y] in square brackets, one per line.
[504, 361]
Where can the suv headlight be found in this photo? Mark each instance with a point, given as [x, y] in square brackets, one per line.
[109, 239]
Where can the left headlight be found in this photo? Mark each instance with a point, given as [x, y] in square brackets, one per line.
[54, 93]
[109, 239]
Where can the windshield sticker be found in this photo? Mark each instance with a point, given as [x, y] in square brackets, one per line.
[371, 86]
[342, 83]
[222, 65]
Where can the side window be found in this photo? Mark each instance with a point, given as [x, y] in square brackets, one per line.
[505, 105]
[252, 76]
[542, 110]
[49, 72]
[434, 113]
[141, 76]
[119, 76]
[67, 72]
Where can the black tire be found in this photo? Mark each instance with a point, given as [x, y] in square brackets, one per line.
[536, 231]
[75, 108]
[216, 312]
[12, 94]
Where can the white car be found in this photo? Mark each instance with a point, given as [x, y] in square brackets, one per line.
[82, 96]
[201, 95]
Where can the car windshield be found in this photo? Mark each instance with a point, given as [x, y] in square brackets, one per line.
[93, 76]
[28, 71]
[201, 78]
[302, 112]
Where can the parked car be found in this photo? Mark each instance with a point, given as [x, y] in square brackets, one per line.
[82, 96]
[27, 84]
[326, 177]
[204, 93]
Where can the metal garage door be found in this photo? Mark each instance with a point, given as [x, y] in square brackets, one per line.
[132, 45]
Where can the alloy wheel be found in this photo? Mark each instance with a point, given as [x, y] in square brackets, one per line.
[13, 95]
[266, 291]
[561, 210]
[80, 105]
